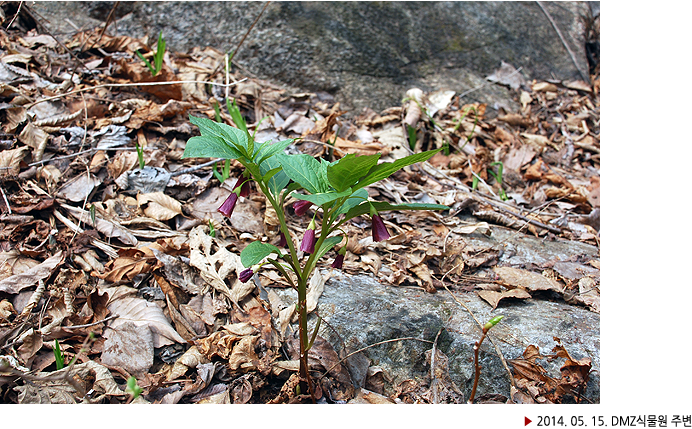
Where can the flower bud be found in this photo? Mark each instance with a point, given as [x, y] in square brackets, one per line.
[338, 261]
[227, 207]
[301, 207]
[492, 322]
[379, 231]
[308, 243]
[246, 275]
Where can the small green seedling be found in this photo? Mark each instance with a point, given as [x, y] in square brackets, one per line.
[140, 155]
[476, 349]
[498, 178]
[212, 230]
[60, 356]
[411, 136]
[158, 56]
[132, 388]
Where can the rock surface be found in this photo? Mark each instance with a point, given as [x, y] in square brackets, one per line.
[366, 53]
[363, 312]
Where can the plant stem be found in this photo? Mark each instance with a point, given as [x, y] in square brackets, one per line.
[476, 351]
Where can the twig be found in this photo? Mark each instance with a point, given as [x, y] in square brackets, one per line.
[433, 364]
[108, 21]
[562, 39]
[4, 197]
[120, 85]
[19, 8]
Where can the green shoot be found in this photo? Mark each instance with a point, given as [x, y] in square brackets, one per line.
[411, 136]
[59, 357]
[158, 56]
[140, 155]
[133, 388]
[498, 178]
[212, 231]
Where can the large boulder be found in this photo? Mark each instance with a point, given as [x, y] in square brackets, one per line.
[366, 53]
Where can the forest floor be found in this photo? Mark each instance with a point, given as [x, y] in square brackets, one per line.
[108, 237]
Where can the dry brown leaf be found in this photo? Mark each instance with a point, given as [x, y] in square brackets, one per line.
[190, 359]
[10, 159]
[30, 277]
[142, 313]
[128, 264]
[215, 263]
[79, 188]
[527, 280]
[493, 297]
[159, 206]
[130, 346]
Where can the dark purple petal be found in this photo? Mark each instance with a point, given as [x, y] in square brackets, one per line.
[338, 261]
[379, 231]
[227, 207]
[282, 240]
[308, 243]
[246, 275]
[301, 207]
[245, 189]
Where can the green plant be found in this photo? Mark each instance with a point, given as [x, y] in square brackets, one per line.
[336, 190]
[59, 356]
[140, 155]
[158, 56]
[476, 350]
[133, 388]
[498, 178]
[212, 230]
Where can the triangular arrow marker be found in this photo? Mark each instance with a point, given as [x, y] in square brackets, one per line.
[526, 421]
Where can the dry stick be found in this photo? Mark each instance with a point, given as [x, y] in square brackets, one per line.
[103, 31]
[562, 39]
[218, 68]
[120, 85]
[367, 347]
[111, 317]
[19, 8]
[433, 363]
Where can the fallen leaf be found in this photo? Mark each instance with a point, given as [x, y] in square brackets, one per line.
[79, 189]
[159, 206]
[142, 313]
[493, 297]
[130, 346]
[30, 277]
[527, 280]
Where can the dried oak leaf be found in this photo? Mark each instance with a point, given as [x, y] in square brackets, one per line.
[493, 297]
[139, 311]
[30, 277]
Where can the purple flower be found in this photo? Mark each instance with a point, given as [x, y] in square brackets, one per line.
[244, 187]
[227, 207]
[282, 240]
[246, 275]
[379, 231]
[308, 243]
[301, 207]
[338, 261]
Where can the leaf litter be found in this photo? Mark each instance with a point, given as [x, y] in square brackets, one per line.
[92, 244]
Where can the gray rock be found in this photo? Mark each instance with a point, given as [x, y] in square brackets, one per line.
[366, 53]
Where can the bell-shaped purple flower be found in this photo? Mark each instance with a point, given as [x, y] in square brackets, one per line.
[227, 207]
[282, 240]
[308, 243]
[301, 207]
[338, 261]
[246, 275]
[379, 231]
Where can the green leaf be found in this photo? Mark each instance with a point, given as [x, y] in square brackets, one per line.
[209, 147]
[304, 170]
[348, 170]
[278, 180]
[231, 135]
[327, 245]
[381, 207]
[386, 169]
[256, 251]
[237, 117]
[158, 57]
[358, 197]
[268, 149]
[323, 197]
